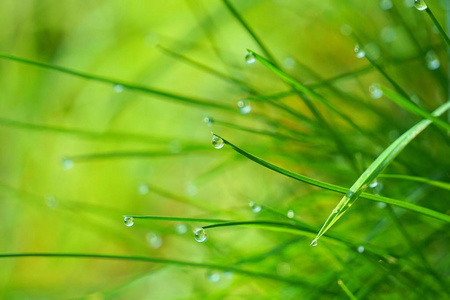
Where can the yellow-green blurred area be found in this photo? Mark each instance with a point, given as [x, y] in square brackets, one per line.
[77, 154]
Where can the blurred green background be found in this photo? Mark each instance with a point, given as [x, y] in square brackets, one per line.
[129, 152]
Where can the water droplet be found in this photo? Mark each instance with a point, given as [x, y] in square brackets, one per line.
[340, 282]
[181, 228]
[213, 276]
[350, 194]
[314, 243]
[346, 30]
[255, 207]
[250, 58]
[128, 221]
[208, 121]
[200, 235]
[432, 60]
[244, 107]
[143, 189]
[388, 34]
[386, 4]
[67, 163]
[217, 142]
[360, 53]
[154, 240]
[420, 5]
[381, 205]
[51, 202]
[375, 91]
[290, 214]
[289, 63]
[191, 189]
[360, 249]
[118, 88]
[373, 184]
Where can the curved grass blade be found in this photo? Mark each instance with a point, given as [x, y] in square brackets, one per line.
[302, 88]
[85, 133]
[381, 162]
[161, 261]
[127, 85]
[134, 154]
[438, 26]
[410, 106]
[439, 184]
[339, 189]
[176, 219]
[346, 290]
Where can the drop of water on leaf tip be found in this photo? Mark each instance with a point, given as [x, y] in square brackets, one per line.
[208, 121]
[118, 88]
[373, 184]
[314, 243]
[200, 235]
[359, 53]
[360, 249]
[375, 91]
[250, 58]
[67, 163]
[290, 214]
[217, 142]
[244, 107]
[128, 221]
[432, 60]
[420, 5]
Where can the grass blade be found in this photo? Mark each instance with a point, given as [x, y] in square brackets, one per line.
[410, 106]
[336, 188]
[160, 261]
[382, 161]
[439, 184]
[127, 85]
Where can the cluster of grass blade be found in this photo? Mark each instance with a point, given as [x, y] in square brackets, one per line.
[325, 124]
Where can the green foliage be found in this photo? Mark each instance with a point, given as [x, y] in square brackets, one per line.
[110, 187]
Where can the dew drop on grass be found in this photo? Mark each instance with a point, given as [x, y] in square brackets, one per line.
[432, 60]
[181, 228]
[214, 276]
[217, 142]
[208, 121]
[290, 214]
[375, 91]
[118, 88]
[128, 221]
[420, 5]
[381, 205]
[67, 163]
[250, 58]
[143, 189]
[200, 235]
[386, 4]
[244, 107]
[154, 240]
[314, 243]
[255, 207]
[360, 249]
[359, 53]
[373, 184]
